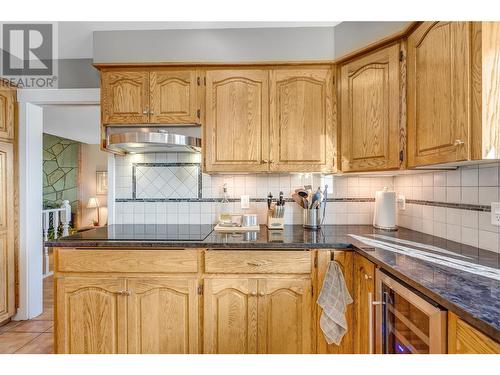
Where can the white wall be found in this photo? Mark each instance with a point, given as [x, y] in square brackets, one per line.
[214, 45]
[92, 159]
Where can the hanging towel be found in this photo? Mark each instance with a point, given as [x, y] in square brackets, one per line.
[333, 299]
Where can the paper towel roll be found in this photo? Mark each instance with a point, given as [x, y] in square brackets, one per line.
[384, 215]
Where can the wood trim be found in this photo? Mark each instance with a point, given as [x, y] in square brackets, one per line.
[221, 64]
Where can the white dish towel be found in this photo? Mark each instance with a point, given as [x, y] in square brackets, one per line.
[333, 299]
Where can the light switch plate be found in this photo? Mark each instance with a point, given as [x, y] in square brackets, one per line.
[245, 202]
[495, 213]
[401, 201]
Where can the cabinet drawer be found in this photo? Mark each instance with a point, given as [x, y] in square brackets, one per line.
[161, 261]
[235, 261]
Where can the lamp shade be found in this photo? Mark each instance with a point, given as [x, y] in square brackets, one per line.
[93, 202]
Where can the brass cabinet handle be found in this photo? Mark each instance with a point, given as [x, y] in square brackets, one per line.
[458, 142]
[253, 294]
[265, 161]
[254, 264]
[261, 294]
[367, 277]
[145, 112]
[124, 292]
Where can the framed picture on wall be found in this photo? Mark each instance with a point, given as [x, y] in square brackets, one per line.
[101, 182]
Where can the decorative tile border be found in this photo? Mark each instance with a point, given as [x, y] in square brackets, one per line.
[134, 182]
[459, 206]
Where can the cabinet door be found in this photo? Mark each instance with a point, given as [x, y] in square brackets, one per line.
[370, 120]
[7, 230]
[7, 113]
[346, 261]
[174, 97]
[285, 313]
[91, 315]
[465, 339]
[301, 120]
[125, 97]
[237, 123]
[163, 316]
[438, 93]
[230, 318]
[364, 289]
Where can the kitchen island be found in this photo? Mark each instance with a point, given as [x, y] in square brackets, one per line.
[215, 274]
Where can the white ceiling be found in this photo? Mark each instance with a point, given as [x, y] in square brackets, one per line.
[75, 38]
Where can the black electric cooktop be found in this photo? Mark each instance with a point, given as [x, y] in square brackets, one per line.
[145, 232]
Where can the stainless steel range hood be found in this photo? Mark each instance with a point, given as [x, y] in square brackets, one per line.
[147, 139]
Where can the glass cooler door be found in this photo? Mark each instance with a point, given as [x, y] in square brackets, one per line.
[406, 323]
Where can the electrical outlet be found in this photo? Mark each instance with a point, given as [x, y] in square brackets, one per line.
[401, 201]
[495, 213]
[245, 202]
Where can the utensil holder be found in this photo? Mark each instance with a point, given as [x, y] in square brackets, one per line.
[311, 218]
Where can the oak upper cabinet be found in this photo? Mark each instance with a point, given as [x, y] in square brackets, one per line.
[150, 96]
[230, 311]
[174, 98]
[285, 314]
[370, 111]
[125, 96]
[237, 120]
[93, 313]
[364, 289]
[163, 316]
[7, 113]
[465, 339]
[7, 231]
[439, 93]
[301, 115]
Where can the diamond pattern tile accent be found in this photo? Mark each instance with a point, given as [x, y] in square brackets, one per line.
[166, 181]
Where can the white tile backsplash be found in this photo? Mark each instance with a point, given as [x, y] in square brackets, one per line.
[471, 185]
[467, 185]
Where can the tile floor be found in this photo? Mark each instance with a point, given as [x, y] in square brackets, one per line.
[31, 336]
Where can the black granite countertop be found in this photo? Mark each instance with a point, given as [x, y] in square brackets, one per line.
[461, 278]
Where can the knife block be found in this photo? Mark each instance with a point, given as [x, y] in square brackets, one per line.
[275, 222]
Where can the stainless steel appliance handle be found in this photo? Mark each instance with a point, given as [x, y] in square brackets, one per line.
[370, 323]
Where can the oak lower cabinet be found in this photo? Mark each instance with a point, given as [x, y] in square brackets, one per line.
[151, 315]
[163, 316]
[364, 293]
[465, 339]
[249, 316]
[301, 120]
[346, 261]
[370, 114]
[230, 316]
[91, 315]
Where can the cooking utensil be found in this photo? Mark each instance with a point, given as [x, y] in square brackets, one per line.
[269, 200]
[325, 196]
[297, 199]
[316, 198]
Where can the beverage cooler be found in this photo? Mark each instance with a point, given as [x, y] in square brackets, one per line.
[405, 322]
